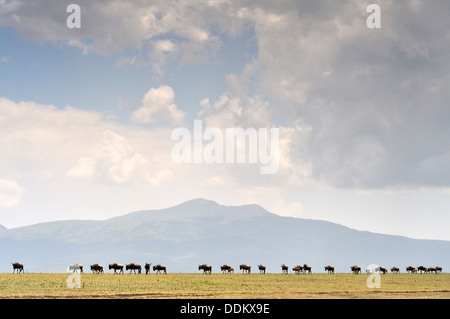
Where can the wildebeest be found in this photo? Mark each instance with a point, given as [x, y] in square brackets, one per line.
[116, 267]
[96, 268]
[410, 269]
[395, 270]
[75, 267]
[422, 269]
[262, 269]
[306, 268]
[438, 269]
[133, 267]
[158, 268]
[245, 268]
[355, 269]
[284, 268]
[297, 269]
[329, 269]
[382, 270]
[225, 268]
[206, 268]
[231, 270]
[17, 266]
[147, 268]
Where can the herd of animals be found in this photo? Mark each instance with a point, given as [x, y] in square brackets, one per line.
[207, 269]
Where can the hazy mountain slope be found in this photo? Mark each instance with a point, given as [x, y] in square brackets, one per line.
[202, 231]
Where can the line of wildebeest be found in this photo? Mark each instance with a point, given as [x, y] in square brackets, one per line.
[207, 269]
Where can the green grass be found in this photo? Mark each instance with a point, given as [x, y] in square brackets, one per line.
[227, 286]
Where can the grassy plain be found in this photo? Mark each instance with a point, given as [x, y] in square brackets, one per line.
[226, 286]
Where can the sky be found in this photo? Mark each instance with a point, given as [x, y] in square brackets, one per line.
[87, 114]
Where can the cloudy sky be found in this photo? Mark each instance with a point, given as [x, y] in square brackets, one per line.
[86, 114]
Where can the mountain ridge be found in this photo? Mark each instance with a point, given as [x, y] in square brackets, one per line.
[191, 207]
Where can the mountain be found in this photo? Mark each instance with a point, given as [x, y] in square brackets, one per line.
[202, 231]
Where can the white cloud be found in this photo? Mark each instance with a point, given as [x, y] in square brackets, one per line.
[162, 49]
[295, 168]
[157, 104]
[42, 140]
[10, 193]
[38, 138]
[232, 111]
[117, 162]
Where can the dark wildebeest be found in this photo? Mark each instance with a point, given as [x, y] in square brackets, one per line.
[355, 269]
[133, 267]
[262, 269]
[422, 269]
[395, 270]
[231, 270]
[116, 267]
[245, 268]
[284, 268]
[225, 268]
[159, 268]
[147, 268]
[411, 269]
[18, 267]
[307, 268]
[438, 269]
[432, 269]
[96, 268]
[206, 268]
[297, 269]
[75, 267]
[329, 269]
[382, 270]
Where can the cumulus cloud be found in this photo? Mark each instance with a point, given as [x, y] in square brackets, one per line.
[157, 104]
[116, 161]
[45, 141]
[231, 111]
[161, 51]
[38, 138]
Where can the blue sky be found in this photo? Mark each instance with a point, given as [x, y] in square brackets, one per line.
[86, 114]
[50, 73]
